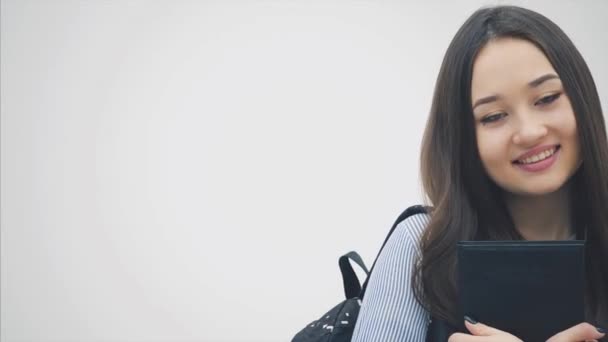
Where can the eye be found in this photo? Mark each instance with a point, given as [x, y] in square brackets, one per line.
[493, 118]
[547, 99]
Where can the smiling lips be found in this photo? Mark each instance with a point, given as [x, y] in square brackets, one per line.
[537, 159]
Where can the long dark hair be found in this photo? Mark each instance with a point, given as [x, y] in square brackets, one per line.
[467, 205]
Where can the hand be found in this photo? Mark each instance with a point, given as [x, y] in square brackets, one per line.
[578, 333]
[483, 333]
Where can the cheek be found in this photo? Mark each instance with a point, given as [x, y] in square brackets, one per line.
[566, 128]
[492, 150]
[566, 120]
[570, 128]
[570, 136]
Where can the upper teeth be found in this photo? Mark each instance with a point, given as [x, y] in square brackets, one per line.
[537, 157]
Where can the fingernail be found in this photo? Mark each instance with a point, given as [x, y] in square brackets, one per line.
[470, 320]
[600, 329]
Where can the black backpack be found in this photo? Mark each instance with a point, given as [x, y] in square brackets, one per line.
[338, 324]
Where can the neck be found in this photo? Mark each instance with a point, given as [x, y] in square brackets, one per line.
[546, 217]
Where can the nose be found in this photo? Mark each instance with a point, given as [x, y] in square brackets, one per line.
[530, 132]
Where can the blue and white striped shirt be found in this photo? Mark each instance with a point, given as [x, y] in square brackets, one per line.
[389, 311]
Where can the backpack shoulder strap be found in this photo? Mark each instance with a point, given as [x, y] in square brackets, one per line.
[413, 210]
[352, 287]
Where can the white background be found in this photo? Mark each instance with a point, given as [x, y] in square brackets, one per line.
[191, 170]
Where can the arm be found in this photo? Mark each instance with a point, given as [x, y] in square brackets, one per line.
[389, 311]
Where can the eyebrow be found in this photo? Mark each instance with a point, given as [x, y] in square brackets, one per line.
[542, 79]
[532, 84]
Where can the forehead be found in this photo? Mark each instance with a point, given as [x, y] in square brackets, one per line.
[507, 64]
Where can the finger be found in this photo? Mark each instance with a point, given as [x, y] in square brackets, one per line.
[580, 332]
[460, 337]
[480, 329]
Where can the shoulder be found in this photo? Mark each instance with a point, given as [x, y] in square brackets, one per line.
[408, 232]
[390, 310]
[400, 254]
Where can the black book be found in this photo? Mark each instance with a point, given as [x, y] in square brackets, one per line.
[531, 289]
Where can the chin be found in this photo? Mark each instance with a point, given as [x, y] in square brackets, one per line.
[537, 189]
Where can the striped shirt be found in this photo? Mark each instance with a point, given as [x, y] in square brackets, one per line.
[389, 311]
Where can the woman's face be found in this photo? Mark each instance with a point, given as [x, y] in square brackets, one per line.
[524, 122]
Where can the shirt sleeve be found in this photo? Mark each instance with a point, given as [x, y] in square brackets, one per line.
[389, 311]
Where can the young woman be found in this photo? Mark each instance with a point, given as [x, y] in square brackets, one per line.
[515, 148]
